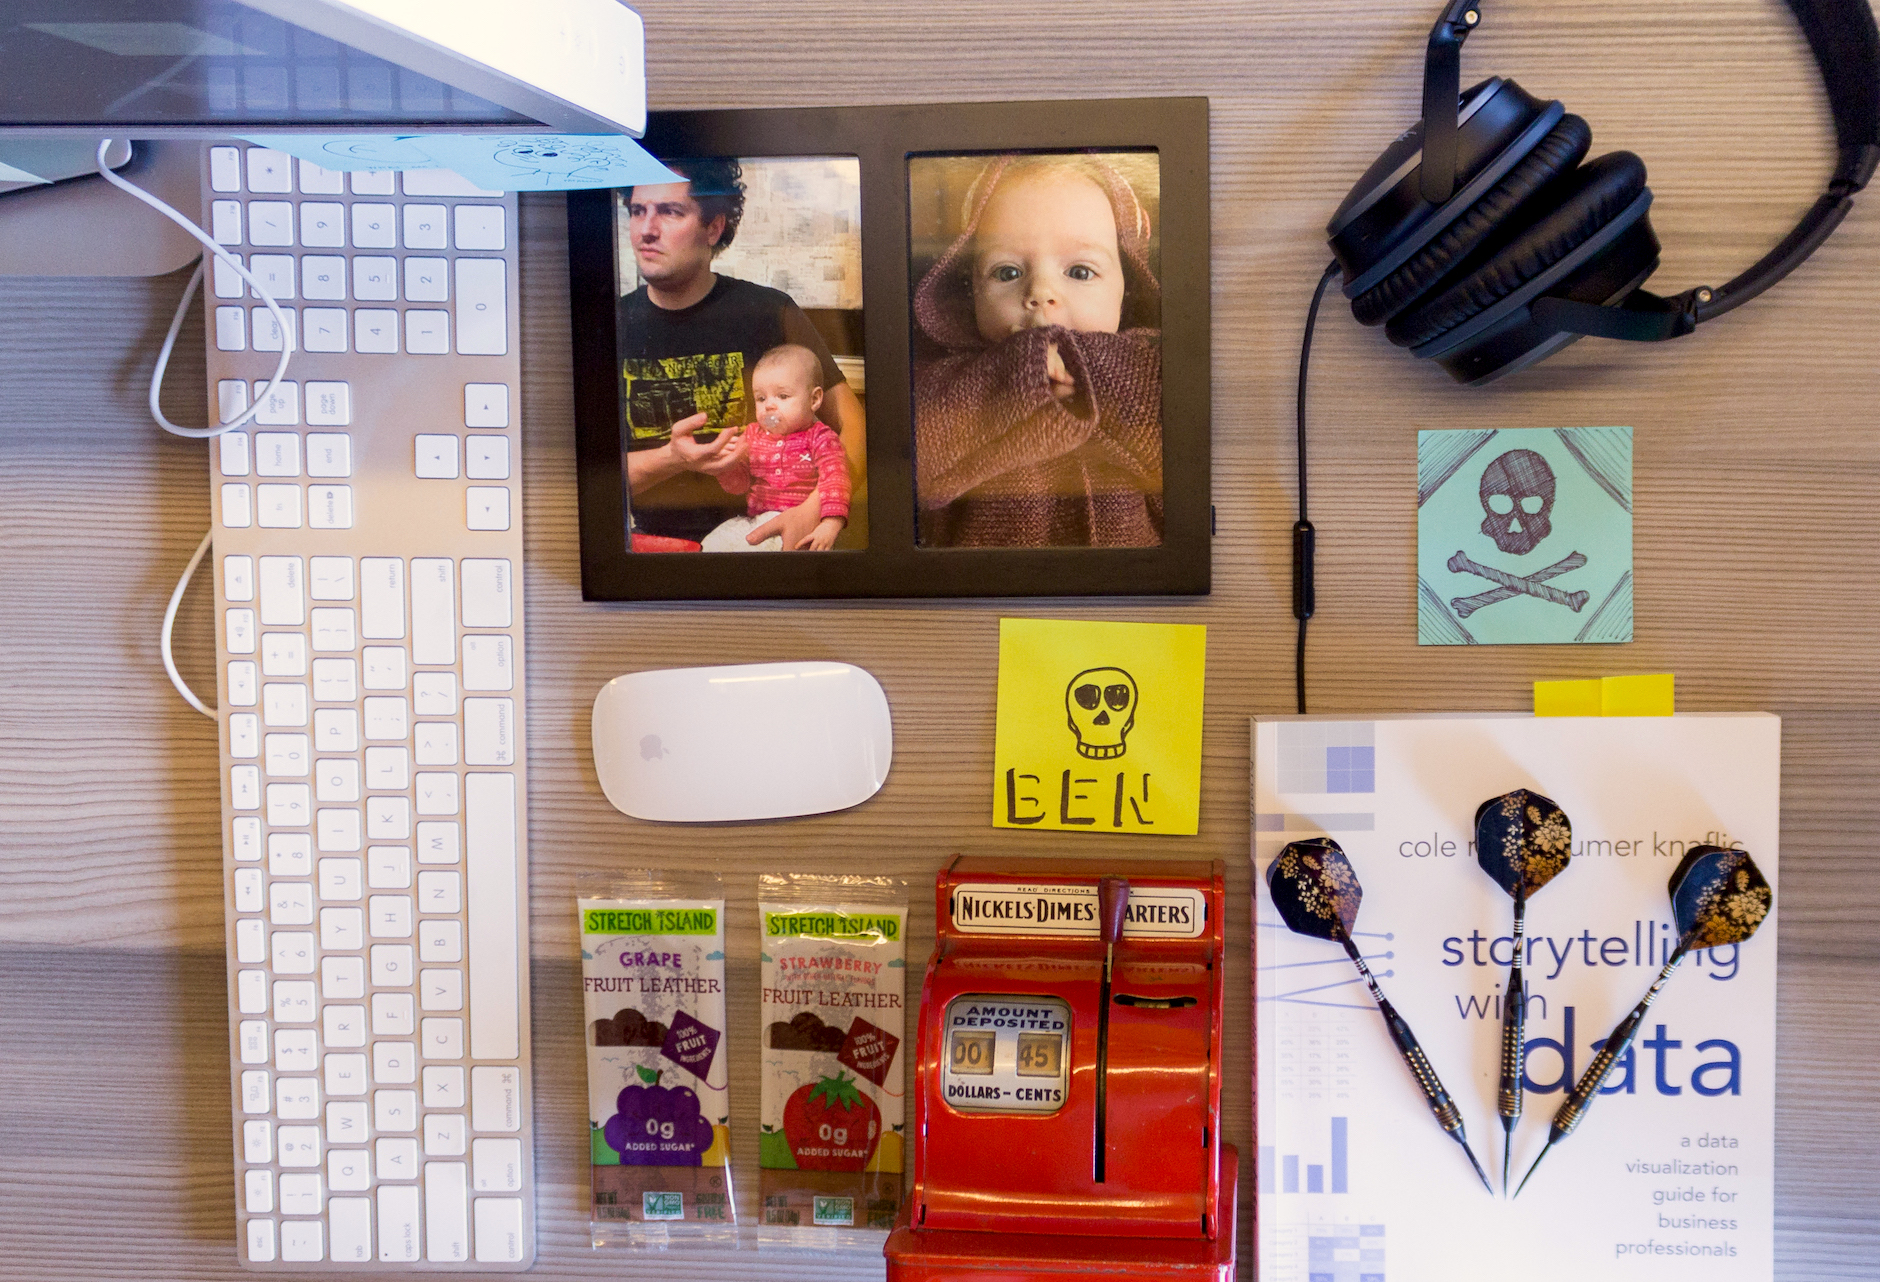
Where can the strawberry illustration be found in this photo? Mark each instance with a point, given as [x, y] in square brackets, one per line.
[831, 1125]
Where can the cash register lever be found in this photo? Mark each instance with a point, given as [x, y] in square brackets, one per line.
[1112, 907]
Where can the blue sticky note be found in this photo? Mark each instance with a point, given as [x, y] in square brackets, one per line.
[494, 162]
[351, 152]
[10, 174]
[547, 162]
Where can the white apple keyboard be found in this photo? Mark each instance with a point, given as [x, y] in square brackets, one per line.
[368, 580]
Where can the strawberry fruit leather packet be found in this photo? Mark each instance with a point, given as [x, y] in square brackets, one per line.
[653, 983]
[834, 1127]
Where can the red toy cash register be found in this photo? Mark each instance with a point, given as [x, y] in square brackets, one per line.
[1068, 1098]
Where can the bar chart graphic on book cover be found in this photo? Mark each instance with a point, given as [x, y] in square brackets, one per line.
[1282, 1174]
[1670, 1174]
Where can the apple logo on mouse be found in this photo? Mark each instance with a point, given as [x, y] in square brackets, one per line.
[651, 749]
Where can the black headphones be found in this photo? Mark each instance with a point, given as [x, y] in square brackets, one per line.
[1478, 239]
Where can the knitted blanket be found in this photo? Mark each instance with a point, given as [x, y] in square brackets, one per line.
[1002, 462]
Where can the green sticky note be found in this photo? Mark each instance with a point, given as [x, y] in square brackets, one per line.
[1651, 695]
[1567, 698]
[1524, 536]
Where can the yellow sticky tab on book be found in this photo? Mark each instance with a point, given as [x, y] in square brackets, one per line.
[1645, 696]
[1642, 696]
[1567, 698]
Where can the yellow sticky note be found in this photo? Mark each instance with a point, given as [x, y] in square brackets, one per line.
[1099, 726]
[1643, 696]
[1640, 696]
[1566, 698]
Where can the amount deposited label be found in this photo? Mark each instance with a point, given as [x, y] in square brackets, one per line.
[1006, 1054]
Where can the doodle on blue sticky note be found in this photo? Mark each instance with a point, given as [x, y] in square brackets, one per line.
[351, 153]
[548, 162]
[1524, 536]
[494, 162]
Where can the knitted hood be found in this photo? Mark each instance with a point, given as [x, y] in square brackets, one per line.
[943, 301]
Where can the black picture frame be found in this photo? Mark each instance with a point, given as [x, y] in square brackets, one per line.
[893, 564]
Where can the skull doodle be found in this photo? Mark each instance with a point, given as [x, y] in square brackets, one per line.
[1517, 494]
[1102, 707]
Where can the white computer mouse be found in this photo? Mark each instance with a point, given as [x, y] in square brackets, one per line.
[741, 742]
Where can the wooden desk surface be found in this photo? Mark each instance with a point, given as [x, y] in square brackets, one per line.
[1756, 482]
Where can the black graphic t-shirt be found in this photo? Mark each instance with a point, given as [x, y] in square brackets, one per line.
[675, 363]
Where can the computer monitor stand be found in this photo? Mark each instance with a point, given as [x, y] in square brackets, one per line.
[86, 227]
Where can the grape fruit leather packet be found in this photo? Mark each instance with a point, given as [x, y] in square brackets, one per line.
[834, 965]
[653, 980]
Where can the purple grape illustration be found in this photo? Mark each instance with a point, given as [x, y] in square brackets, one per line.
[656, 1125]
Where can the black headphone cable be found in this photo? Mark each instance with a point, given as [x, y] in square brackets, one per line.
[1304, 597]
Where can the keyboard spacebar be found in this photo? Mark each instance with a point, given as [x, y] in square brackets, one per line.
[493, 948]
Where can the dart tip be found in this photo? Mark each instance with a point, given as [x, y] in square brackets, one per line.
[1479, 1172]
[1531, 1169]
[1507, 1150]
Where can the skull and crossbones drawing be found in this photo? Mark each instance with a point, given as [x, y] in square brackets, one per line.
[1101, 706]
[1517, 493]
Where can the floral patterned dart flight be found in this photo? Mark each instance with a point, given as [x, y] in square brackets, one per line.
[1522, 840]
[1718, 896]
[1317, 893]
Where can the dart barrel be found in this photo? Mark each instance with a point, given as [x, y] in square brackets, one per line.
[1508, 1099]
[1573, 1112]
[1447, 1114]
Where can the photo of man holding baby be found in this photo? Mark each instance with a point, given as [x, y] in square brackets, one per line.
[741, 430]
[1038, 359]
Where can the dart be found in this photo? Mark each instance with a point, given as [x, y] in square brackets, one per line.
[1523, 841]
[1317, 894]
[1718, 897]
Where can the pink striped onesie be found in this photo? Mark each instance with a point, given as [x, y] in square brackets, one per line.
[781, 471]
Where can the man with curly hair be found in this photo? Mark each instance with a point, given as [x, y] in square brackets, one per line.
[689, 340]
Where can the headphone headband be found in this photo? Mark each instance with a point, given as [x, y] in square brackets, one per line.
[1442, 94]
[1845, 43]
[1842, 36]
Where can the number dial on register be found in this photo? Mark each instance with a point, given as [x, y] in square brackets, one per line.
[1006, 1054]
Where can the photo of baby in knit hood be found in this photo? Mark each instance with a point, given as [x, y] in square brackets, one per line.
[1038, 364]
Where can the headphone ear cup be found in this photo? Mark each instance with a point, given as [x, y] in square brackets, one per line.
[1585, 201]
[1564, 147]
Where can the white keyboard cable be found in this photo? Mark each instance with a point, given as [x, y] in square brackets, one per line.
[169, 622]
[176, 322]
[163, 363]
[202, 548]
[196, 433]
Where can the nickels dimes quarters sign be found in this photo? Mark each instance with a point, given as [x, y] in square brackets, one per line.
[1154, 912]
[1669, 1175]
[653, 979]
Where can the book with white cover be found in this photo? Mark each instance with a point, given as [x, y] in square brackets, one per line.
[1671, 1174]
